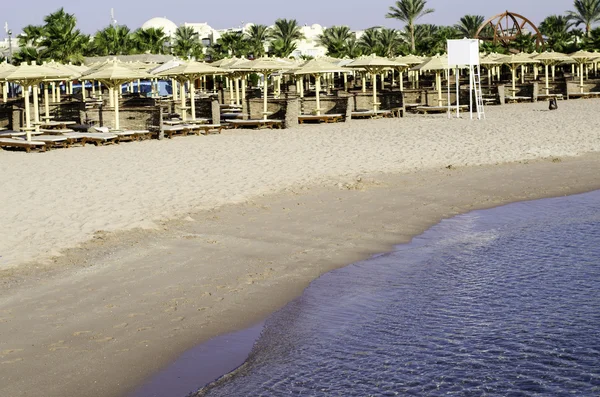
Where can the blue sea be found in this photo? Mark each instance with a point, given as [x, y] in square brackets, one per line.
[498, 302]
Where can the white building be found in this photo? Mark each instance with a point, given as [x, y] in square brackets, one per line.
[308, 46]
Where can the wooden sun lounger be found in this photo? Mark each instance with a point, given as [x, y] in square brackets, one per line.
[583, 94]
[12, 134]
[327, 118]
[515, 98]
[54, 141]
[206, 128]
[55, 131]
[21, 143]
[97, 138]
[550, 96]
[369, 114]
[255, 123]
[171, 130]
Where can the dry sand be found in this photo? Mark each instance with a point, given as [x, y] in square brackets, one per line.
[255, 216]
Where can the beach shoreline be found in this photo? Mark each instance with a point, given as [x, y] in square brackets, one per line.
[116, 260]
[121, 307]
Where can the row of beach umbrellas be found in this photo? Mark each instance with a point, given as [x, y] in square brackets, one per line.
[114, 73]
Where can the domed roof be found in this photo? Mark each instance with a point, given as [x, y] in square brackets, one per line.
[167, 26]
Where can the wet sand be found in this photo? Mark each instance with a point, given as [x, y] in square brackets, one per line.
[106, 315]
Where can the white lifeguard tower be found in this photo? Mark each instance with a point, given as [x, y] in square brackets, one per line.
[463, 53]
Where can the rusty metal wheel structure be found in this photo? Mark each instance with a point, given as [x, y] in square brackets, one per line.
[504, 29]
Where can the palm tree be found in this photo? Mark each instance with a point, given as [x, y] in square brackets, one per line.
[113, 40]
[27, 54]
[409, 11]
[63, 42]
[369, 42]
[425, 38]
[285, 33]
[524, 42]
[389, 42]
[556, 30]
[150, 40]
[32, 36]
[233, 44]
[469, 25]
[334, 39]
[257, 36]
[586, 13]
[351, 48]
[187, 42]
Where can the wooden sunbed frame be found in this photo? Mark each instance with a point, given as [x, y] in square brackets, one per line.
[589, 94]
[235, 124]
[516, 98]
[371, 114]
[20, 143]
[327, 118]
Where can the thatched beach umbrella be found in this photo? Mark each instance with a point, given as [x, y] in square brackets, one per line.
[410, 61]
[266, 67]
[374, 64]
[513, 62]
[581, 58]
[30, 76]
[437, 64]
[189, 71]
[68, 72]
[549, 58]
[5, 67]
[114, 74]
[316, 67]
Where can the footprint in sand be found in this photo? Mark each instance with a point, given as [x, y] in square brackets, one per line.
[177, 319]
[170, 309]
[16, 360]
[79, 333]
[122, 325]
[58, 346]
[131, 315]
[144, 329]
[9, 351]
[103, 340]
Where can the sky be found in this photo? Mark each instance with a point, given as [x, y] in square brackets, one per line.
[94, 15]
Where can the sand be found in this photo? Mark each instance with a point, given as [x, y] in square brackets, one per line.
[117, 259]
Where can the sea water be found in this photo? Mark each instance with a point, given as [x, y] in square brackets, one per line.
[499, 302]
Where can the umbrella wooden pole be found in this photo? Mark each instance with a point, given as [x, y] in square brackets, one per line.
[364, 82]
[111, 97]
[237, 90]
[522, 74]
[514, 76]
[265, 88]
[301, 86]
[174, 89]
[318, 92]
[581, 76]
[27, 113]
[83, 93]
[546, 73]
[231, 95]
[46, 100]
[243, 90]
[93, 88]
[100, 90]
[382, 81]
[193, 98]
[438, 83]
[116, 102]
[5, 91]
[53, 87]
[36, 106]
[401, 79]
[345, 81]
[553, 72]
[182, 95]
[374, 83]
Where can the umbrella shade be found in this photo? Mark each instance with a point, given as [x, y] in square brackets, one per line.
[265, 66]
[438, 62]
[28, 76]
[374, 64]
[410, 59]
[582, 56]
[316, 67]
[114, 74]
[551, 58]
[191, 69]
[514, 61]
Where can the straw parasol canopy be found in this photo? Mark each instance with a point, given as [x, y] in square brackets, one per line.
[114, 73]
[550, 58]
[316, 67]
[436, 63]
[266, 66]
[30, 76]
[514, 61]
[582, 57]
[189, 71]
[4, 67]
[374, 64]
